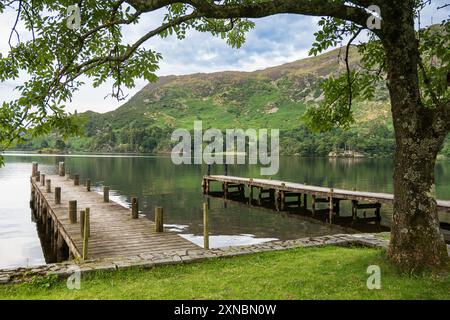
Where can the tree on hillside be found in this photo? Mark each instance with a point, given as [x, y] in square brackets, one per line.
[414, 65]
[60, 145]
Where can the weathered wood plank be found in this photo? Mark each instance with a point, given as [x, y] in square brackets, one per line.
[114, 232]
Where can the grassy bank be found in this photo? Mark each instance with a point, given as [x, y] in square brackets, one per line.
[315, 273]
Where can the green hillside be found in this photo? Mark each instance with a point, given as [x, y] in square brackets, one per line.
[276, 98]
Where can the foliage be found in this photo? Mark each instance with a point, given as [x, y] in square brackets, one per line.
[435, 64]
[54, 56]
[362, 81]
[44, 282]
[264, 99]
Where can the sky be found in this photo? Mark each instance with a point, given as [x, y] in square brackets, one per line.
[274, 40]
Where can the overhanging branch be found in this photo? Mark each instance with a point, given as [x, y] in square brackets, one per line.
[209, 9]
[347, 64]
[97, 61]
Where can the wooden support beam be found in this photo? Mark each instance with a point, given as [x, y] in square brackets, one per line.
[105, 194]
[292, 203]
[42, 179]
[82, 218]
[234, 194]
[59, 248]
[378, 217]
[86, 233]
[38, 176]
[87, 221]
[205, 227]
[337, 206]
[48, 186]
[32, 196]
[277, 200]
[48, 227]
[134, 208]
[233, 185]
[378, 213]
[57, 195]
[313, 205]
[205, 186]
[44, 214]
[370, 219]
[330, 207]
[76, 180]
[272, 195]
[322, 200]
[369, 206]
[62, 169]
[242, 191]
[354, 210]
[225, 189]
[159, 219]
[34, 169]
[260, 195]
[88, 185]
[73, 211]
[291, 194]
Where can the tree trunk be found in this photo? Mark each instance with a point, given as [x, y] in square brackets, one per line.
[416, 240]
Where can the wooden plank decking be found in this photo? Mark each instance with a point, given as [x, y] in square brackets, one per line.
[314, 190]
[113, 232]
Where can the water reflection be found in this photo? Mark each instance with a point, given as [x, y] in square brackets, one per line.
[157, 182]
[227, 240]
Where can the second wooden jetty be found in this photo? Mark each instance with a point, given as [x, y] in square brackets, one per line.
[283, 194]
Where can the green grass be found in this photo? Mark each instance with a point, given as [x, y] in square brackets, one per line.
[315, 273]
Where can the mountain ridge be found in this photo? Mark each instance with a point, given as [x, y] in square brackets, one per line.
[274, 97]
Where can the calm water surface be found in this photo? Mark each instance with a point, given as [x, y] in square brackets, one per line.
[157, 182]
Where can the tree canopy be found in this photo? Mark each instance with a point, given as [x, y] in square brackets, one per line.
[414, 63]
[54, 55]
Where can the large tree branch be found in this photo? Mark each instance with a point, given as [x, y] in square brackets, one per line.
[347, 64]
[97, 61]
[443, 113]
[209, 9]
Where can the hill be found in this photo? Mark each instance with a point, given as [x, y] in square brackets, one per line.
[275, 97]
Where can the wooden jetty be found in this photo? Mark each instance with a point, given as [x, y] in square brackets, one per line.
[82, 224]
[282, 195]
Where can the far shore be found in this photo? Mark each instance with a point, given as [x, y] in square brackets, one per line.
[159, 154]
[36, 153]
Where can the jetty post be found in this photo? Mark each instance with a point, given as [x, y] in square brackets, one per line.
[134, 208]
[105, 193]
[62, 169]
[73, 211]
[205, 227]
[57, 195]
[159, 219]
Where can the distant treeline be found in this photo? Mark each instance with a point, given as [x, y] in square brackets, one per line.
[376, 139]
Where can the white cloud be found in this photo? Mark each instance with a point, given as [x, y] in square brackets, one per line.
[275, 40]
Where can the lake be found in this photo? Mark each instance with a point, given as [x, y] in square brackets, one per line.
[157, 182]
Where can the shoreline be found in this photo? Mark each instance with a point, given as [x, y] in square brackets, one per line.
[167, 154]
